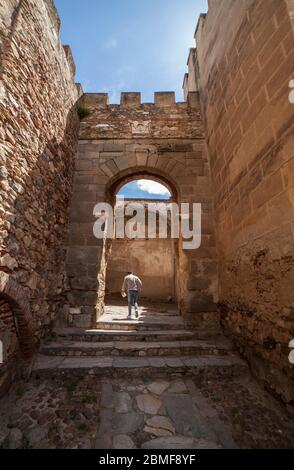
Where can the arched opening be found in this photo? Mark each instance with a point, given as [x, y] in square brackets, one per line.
[130, 175]
[16, 332]
[14, 303]
[145, 189]
[152, 257]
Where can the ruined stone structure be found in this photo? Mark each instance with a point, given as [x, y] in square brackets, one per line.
[229, 146]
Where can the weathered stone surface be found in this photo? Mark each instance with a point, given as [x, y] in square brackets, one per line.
[69, 408]
[249, 121]
[158, 387]
[36, 436]
[160, 426]
[8, 262]
[180, 442]
[182, 411]
[173, 442]
[159, 432]
[4, 438]
[148, 404]
[127, 423]
[16, 439]
[177, 386]
[104, 437]
[123, 402]
[123, 442]
[38, 133]
[107, 396]
[206, 445]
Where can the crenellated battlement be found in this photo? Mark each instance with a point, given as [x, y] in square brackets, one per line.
[165, 118]
[162, 99]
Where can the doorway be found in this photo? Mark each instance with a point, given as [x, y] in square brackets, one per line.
[154, 260]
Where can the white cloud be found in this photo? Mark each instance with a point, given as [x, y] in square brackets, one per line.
[152, 187]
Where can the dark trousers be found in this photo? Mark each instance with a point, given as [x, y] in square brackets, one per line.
[133, 301]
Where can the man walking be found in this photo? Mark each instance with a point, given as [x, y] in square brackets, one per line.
[132, 285]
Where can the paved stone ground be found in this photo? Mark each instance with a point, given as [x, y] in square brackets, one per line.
[175, 401]
[90, 412]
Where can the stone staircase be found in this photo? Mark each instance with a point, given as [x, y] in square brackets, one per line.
[159, 343]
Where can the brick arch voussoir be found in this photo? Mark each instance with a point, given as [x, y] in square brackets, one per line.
[17, 297]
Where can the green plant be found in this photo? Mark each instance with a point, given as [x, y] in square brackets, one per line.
[82, 427]
[51, 336]
[88, 399]
[70, 387]
[72, 414]
[83, 112]
[20, 391]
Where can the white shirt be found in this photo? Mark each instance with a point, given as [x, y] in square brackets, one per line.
[131, 282]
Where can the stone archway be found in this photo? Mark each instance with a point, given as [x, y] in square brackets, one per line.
[131, 174]
[14, 295]
[16, 331]
[154, 259]
[164, 140]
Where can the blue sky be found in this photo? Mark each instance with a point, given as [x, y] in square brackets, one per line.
[144, 189]
[131, 45]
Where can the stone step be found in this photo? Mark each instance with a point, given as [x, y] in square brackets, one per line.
[206, 322]
[133, 325]
[134, 348]
[74, 334]
[107, 366]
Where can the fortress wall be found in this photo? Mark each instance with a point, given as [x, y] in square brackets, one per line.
[245, 53]
[38, 138]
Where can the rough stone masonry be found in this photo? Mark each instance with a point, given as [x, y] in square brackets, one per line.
[229, 146]
[38, 130]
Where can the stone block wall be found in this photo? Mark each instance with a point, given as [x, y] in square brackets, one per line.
[38, 139]
[152, 259]
[290, 6]
[245, 61]
[190, 78]
[163, 140]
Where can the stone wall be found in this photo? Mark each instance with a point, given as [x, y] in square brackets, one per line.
[290, 6]
[162, 140]
[38, 138]
[245, 54]
[151, 260]
[190, 78]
